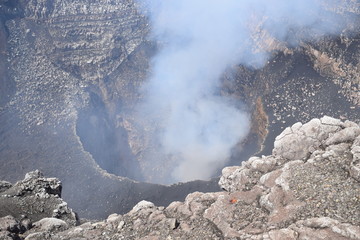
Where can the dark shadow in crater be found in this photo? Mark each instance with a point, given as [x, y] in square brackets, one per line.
[106, 143]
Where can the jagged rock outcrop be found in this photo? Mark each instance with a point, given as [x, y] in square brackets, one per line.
[34, 198]
[34, 203]
[307, 189]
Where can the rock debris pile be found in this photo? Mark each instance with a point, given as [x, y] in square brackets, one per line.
[309, 188]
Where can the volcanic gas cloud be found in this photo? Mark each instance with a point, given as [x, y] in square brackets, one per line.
[198, 40]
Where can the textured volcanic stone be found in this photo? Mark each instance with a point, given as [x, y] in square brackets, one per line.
[36, 197]
[311, 198]
[50, 224]
[10, 224]
[298, 141]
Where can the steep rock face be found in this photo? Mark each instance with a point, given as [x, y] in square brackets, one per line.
[59, 60]
[30, 203]
[311, 193]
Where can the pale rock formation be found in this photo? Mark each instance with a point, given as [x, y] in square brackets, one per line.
[310, 191]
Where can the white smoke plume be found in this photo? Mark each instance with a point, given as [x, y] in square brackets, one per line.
[198, 40]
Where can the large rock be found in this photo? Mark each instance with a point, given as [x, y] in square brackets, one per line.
[34, 198]
[50, 225]
[10, 224]
[4, 185]
[298, 141]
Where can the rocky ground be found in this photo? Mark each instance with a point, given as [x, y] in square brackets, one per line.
[71, 70]
[309, 188]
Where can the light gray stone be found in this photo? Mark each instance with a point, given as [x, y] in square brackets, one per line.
[9, 223]
[141, 206]
[345, 135]
[51, 225]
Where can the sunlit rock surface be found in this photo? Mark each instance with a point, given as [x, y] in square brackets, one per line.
[314, 196]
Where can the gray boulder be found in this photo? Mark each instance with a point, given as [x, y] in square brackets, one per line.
[10, 224]
[34, 198]
[50, 225]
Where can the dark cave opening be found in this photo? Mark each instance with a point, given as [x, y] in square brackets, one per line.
[107, 144]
